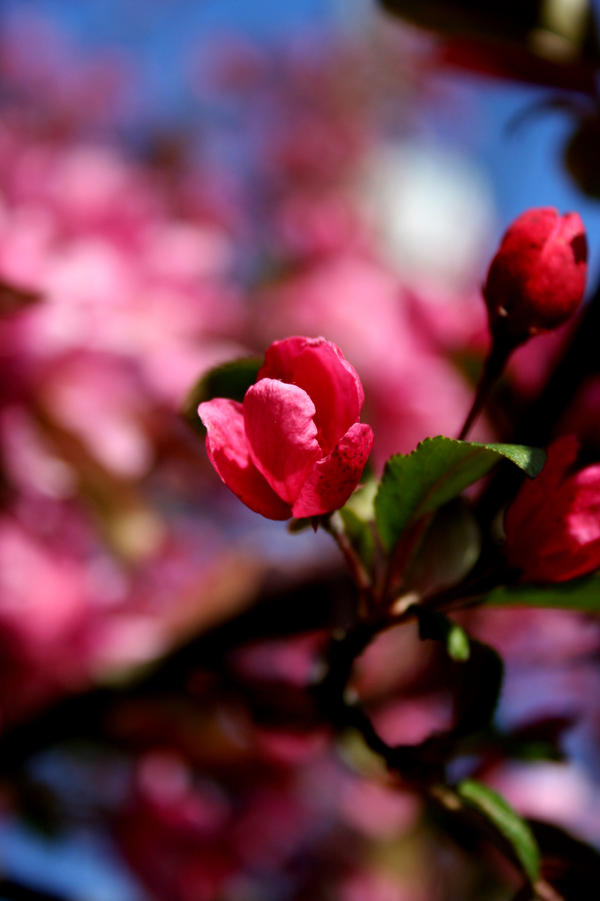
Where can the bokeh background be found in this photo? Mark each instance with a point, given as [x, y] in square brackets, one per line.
[183, 182]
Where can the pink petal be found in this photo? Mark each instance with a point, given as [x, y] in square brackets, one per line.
[282, 435]
[552, 528]
[536, 500]
[584, 515]
[333, 479]
[318, 366]
[560, 566]
[227, 450]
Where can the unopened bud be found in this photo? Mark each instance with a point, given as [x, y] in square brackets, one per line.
[537, 279]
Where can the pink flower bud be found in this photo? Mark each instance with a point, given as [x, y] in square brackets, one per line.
[537, 278]
[553, 526]
[295, 446]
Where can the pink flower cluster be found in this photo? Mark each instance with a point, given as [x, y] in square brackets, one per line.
[115, 292]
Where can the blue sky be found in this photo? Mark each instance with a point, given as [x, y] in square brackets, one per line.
[524, 168]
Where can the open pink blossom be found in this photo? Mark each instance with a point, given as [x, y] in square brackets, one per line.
[553, 526]
[295, 446]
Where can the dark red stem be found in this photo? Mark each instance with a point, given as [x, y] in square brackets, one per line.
[492, 370]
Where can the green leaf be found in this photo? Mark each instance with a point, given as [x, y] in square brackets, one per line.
[437, 471]
[578, 594]
[448, 551]
[231, 379]
[506, 821]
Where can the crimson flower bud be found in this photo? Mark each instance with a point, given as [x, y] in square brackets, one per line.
[553, 526]
[295, 446]
[537, 278]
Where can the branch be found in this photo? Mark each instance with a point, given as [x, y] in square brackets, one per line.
[492, 370]
[312, 605]
[343, 710]
[11, 890]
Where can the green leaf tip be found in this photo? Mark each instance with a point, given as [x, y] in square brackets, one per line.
[457, 644]
[506, 821]
[438, 470]
[577, 594]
